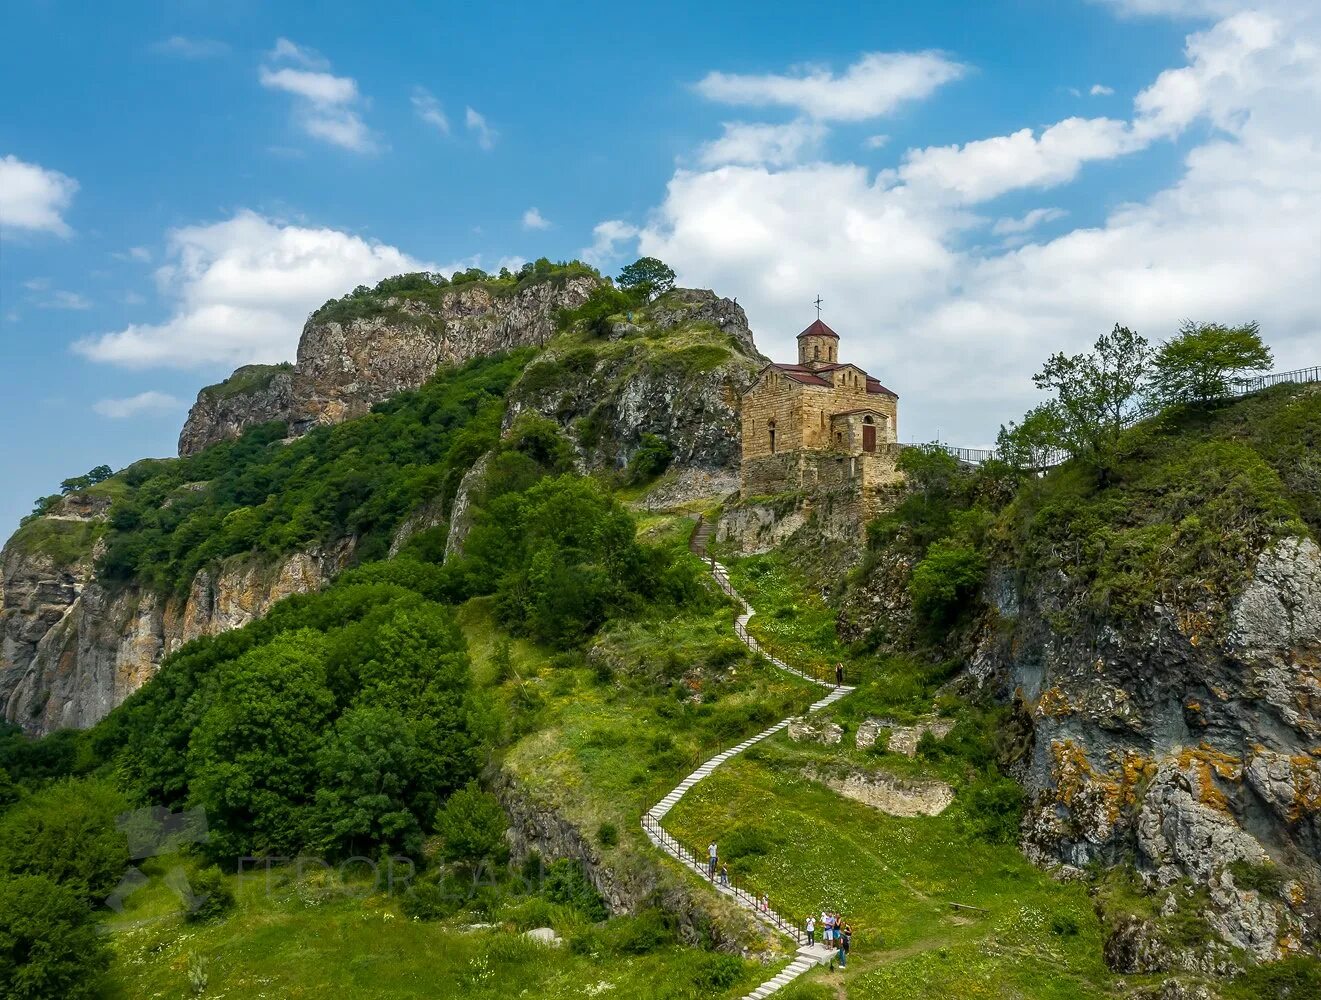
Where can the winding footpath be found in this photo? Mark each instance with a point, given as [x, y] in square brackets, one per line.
[807, 955]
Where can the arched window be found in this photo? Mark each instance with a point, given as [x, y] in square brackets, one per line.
[770, 427]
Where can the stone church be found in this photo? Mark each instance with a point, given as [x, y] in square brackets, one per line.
[818, 425]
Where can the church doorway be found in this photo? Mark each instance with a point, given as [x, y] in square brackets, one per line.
[868, 434]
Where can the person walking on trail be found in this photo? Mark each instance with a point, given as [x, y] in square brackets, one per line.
[811, 930]
[711, 855]
[839, 674]
[847, 938]
[724, 876]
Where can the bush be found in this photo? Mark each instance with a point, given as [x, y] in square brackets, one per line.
[66, 833]
[745, 842]
[717, 974]
[639, 935]
[566, 883]
[430, 901]
[993, 810]
[1064, 925]
[1294, 978]
[943, 582]
[650, 460]
[49, 943]
[607, 834]
[472, 824]
[212, 895]
[1265, 877]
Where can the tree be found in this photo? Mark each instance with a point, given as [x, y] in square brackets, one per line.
[49, 943]
[1031, 444]
[1096, 394]
[649, 275]
[368, 770]
[472, 825]
[1206, 360]
[66, 832]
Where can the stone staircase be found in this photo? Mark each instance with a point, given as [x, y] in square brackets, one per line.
[807, 955]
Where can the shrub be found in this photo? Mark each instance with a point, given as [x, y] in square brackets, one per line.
[212, 895]
[943, 582]
[607, 834]
[1265, 877]
[746, 842]
[1064, 925]
[472, 825]
[639, 935]
[650, 460]
[49, 944]
[993, 810]
[717, 974]
[1293, 978]
[566, 883]
[431, 901]
[67, 833]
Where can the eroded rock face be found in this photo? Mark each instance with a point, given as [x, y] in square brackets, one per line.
[344, 368]
[651, 384]
[1194, 745]
[890, 794]
[72, 649]
[807, 730]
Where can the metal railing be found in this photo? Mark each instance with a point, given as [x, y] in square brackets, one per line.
[663, 839]
[1242, 387]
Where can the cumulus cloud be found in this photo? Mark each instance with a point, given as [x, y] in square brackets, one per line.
[958, 328]
[150, 401]
[325, 105]
[480, 128]
[875, 141]
[34, 198]
[428, 109]
[533, 219]
[873, 86]
[775, 145]
[1034, 218]
[606, 239]
[242, 289]
[182, 47]
[1101, 90]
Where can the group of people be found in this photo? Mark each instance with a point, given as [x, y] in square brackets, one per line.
[835, 933]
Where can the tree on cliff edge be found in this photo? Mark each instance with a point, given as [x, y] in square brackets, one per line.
[647, 274]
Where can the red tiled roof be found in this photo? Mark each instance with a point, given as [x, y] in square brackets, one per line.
[819, 329]
[874, 386]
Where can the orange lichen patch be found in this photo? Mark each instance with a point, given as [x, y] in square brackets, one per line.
[1208, 764]
[1307, 787]
[1219, 692]
[1078, 782]
[1054, 704]
[1290, 945]
[1297, 896]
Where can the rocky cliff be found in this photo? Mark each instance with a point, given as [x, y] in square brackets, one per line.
[72, 648]
[360, 350]
[674, 369]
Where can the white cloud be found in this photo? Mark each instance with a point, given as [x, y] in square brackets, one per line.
[985, 168]
[478, 125]
[182, 47]
[37, 284]
[775, 145]
[533, 219]
[956, 327]
[1101, 90]
[429, 110]
[606, 237]
[140, 254]
[1034, 218]
[875, 141]
[65, 300]
[873, 86]
[150, 401]
[242, 290]
[325, 105]
[34, 198]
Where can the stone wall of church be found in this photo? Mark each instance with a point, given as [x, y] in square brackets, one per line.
[867, 476]
[774, 397]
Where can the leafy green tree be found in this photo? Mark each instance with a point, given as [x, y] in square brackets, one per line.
[651, 276]
[66, 832]
[652, 457]
[942, 584]
[1096, 394]
[1031, 444]
[212, 895]
[368, 770]
[472, 826]
[252, 759]
[49, 943]
[1206, 360]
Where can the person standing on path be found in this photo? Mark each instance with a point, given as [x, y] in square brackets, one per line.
[811, 930]
[839, 674]
[724, 876]
[711, 855]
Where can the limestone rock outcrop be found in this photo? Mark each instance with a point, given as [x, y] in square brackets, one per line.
[344, 367]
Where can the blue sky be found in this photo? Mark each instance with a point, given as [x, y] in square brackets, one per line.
[180, 185]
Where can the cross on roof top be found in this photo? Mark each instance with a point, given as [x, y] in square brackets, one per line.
[817, 303]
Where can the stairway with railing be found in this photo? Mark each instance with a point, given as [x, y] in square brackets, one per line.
[807, 955]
